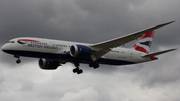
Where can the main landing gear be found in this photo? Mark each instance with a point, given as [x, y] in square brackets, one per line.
[94, 65]
[18, 61]
[77, 69]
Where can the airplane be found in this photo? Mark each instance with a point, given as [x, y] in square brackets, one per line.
[54, 53]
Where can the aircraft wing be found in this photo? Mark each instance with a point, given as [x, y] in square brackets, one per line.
[106, 46]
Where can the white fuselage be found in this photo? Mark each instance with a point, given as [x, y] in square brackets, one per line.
[59, 51]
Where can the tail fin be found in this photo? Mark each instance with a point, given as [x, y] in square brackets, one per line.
[144, 43]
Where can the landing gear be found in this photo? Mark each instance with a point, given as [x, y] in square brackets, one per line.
[94, 65]
[77, 69]
[18, 61]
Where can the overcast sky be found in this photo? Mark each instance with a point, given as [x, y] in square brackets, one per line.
[90, 21]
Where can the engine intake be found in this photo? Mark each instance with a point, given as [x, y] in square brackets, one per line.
[48, 64]
[80, 51]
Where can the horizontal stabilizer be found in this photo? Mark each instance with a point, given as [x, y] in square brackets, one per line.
[159, 53]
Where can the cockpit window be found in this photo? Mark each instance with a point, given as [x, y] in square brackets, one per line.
[11, 42]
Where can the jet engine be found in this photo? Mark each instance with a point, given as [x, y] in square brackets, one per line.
[48, 64]
[80, 51]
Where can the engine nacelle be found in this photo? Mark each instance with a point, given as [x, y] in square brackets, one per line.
[48, 64]
[80, 51]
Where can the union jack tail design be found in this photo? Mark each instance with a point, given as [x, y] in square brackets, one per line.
[144, 43]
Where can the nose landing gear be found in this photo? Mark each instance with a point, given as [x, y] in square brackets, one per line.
[18, 61]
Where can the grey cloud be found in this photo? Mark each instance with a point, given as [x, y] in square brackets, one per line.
[89, 93]
[68, 20]
[90, 21]
[161, 72]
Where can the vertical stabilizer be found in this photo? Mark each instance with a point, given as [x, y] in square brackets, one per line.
[144, 43]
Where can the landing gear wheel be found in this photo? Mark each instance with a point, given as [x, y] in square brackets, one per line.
[91, 65]
[18, 61]
[75, 70]
[80, 71]
[96, 66]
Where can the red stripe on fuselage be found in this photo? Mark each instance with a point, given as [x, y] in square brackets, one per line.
[28, 40]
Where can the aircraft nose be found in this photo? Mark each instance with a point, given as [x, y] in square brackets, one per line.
[3, 48]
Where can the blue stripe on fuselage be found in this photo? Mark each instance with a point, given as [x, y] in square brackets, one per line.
[21, 42]
[66, 57]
